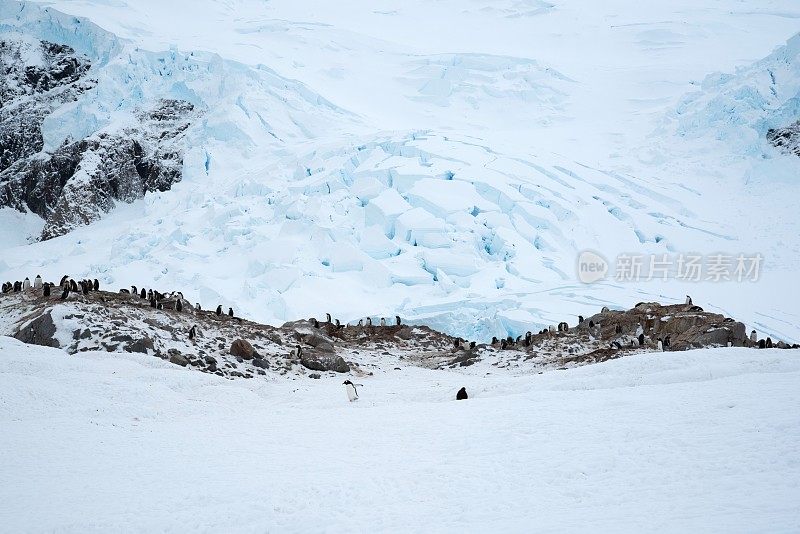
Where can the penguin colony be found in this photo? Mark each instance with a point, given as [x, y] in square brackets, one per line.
[176, 302]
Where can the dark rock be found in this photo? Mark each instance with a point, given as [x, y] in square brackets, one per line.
[177, 358]
[324, 363]
[404, 333]
[141, 346]
[242, 349]
[121, 338]
[260, 362]
[787, 138]
[315, 376]
[40, 331]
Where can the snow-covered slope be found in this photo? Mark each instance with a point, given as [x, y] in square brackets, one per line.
[691, 441]
[445, 161]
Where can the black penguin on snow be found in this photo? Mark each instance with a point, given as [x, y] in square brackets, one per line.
[178, 305]
[462, 394]
[193, 332]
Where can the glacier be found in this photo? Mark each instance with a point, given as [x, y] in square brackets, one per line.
[357, 162]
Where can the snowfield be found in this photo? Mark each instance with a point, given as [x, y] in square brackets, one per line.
[694, 441]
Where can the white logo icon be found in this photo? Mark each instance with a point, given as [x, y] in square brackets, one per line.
[591, 267]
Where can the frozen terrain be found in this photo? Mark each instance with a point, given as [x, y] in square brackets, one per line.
[693, 441]
[446, 161]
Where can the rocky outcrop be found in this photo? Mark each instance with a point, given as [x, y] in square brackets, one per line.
[687, 326]
[787, 139]
[40, 331]
[82, 179]
[35, 79]
[317, 362]
[242, 349]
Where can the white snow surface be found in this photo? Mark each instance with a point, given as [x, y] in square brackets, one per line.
[701, 440]
[446, 161]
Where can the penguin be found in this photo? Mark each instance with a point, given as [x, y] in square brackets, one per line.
[641, 340]
[65, 294]
[63, 280]
[328, 317]
[591, 324]
[37, 282]
[768, 343]
[17, 286]
[580, 319]
[73, 286]
[361, 322]
[660, 344]
[688, 300]
[616, 345]
[455, 343]
[604, 309]
[471, 345]
[338, 324]
[666, 342]
[503, 344]
[124, 291]
[316, 323]
[494, 340]
[552, 329]
[462, 394]
[179, 305]
[159, 306]
[26, 284]
[134, 291]
[197, 307]
[46, 290]
[298, 352]
[219, 310]
[142, 294]
[85, 288]
[369, 321]
[153, 303]
[517, 340]
[230, 312]
[149, 294]
[397, 320]
[383, 321]
[762, 344]
[96, 284]
[753, 337]
[352, 394]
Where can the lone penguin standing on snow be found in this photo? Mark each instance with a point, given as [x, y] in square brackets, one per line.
[352, 394]
[462, 394]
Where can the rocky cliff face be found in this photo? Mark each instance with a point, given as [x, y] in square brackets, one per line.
[786, 139]
[79, 181]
